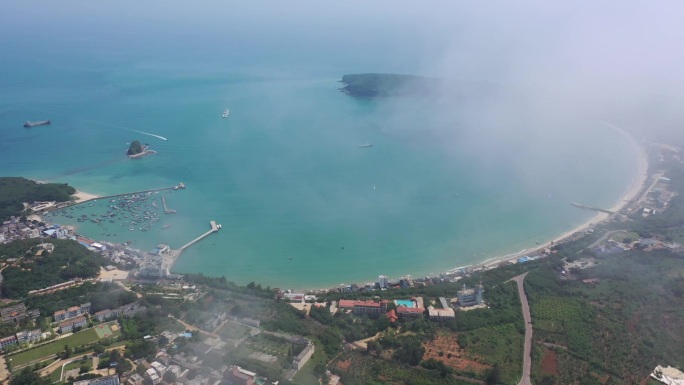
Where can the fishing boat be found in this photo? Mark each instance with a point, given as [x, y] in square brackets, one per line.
[366, 145]
[226, 112]
[35, 124]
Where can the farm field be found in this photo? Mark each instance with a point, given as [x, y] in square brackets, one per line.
[273, 345]
[264, 354]
[498, 344]
[233, 331]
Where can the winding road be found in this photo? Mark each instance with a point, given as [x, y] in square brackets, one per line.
[527, 359]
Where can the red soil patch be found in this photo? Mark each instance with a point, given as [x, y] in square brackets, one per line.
[602, 379]
[445, 348]
[549, 363]
[631, 324]
[344, 365]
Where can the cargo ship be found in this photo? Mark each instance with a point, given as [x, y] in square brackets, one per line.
[34, 124]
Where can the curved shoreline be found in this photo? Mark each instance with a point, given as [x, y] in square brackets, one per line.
[632, 191]
[82, 196]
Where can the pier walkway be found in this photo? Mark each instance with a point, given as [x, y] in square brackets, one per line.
[591, 208]
[170, 259]
[176, 187]
[166, 209]
[214, 228]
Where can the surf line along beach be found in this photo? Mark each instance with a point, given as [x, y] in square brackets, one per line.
[637, 181]
[632, 192]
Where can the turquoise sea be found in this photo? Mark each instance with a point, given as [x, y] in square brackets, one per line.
[284, 174]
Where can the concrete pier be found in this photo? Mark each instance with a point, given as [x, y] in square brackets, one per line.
[170, 259]
[591, 208]
[166, 209]
[176, 187]
[214, 228]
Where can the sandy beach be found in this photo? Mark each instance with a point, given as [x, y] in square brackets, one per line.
[84, 196]
[632, 192]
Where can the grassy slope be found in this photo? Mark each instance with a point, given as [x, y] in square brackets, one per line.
[77, 339]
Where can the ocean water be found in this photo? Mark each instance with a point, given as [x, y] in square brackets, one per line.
[301, 204]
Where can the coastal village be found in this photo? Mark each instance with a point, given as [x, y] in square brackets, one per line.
[132, 270]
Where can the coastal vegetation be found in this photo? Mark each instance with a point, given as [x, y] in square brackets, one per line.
[101, 295]
[30, 270]
[373, 85]
[15, 191]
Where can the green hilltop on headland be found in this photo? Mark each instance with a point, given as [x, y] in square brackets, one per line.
[15, 191]
[383, 85]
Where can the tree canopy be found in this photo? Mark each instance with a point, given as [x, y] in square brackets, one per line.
[69, 260]
[16, 190]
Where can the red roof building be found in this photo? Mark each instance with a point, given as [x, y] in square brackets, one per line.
[363, 307]
[392, 315]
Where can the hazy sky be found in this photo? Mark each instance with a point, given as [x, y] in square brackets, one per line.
[610, 58]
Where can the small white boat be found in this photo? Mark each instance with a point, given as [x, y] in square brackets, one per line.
[226, 112]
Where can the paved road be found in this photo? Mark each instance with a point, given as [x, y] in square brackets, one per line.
[527, 359]
[4, 373]
[604, 237]
[46, 371]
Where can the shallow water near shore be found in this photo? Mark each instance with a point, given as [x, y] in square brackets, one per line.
[301, 204]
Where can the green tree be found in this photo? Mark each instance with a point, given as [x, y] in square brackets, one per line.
[374, 346]
[27, 377]
[410, 350]
[98, 349]
[494, 375]
[170, 377]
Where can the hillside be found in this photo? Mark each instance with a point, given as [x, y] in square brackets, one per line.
[29, 271]
[16, 190]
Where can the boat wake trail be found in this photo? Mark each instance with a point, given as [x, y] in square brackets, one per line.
[100, 124]
[146, 133]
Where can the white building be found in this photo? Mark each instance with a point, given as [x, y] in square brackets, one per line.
[159, 368]
[152, 376]
[383, 281]
[303, 357]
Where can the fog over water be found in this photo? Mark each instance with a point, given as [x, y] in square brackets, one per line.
[484, 168]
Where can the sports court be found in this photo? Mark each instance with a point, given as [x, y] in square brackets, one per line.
[105, 330]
